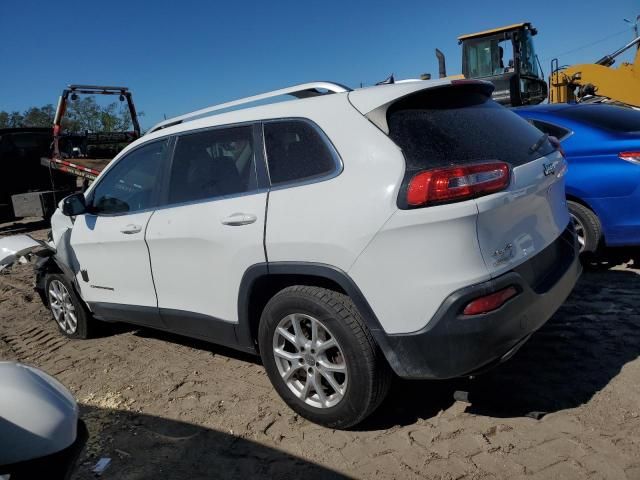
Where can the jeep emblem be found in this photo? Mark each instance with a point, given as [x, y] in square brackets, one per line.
[549, 169]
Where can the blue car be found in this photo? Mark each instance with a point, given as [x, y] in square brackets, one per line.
[602, 146]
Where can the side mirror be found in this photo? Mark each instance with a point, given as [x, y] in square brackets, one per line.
[74, 205]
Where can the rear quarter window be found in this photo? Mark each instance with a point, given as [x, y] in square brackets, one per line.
[296, 152]
[460, 125]
[554, 130]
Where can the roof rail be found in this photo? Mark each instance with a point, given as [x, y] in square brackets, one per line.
[303, 90]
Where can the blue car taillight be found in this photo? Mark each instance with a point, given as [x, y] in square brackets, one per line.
[633, 157]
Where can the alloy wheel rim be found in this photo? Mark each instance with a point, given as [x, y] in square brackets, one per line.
[310, 360]
[62, 307]
[580, 231]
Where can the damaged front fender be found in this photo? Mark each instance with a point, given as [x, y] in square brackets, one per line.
[48, 259]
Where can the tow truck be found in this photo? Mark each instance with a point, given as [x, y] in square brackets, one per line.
[86, 154]
[74, 159]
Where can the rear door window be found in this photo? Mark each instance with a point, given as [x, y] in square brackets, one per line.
[212, 164]
[461, 125]
[296, 152]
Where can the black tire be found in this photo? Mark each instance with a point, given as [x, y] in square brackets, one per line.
[369, 375]
[83, 328]
[590, 225]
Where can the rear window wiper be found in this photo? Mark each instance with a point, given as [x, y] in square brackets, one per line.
[541, 141]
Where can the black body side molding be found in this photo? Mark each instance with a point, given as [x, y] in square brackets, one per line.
[180, 322]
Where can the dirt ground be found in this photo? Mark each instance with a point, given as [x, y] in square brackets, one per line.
[162, 406]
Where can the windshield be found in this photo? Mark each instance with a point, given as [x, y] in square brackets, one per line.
[528, 60]
[487, 57]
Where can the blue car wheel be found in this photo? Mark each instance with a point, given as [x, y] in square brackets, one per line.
[587, 227]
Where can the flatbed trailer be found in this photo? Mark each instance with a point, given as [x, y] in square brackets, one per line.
[85, 168]
[82, 155]
[27, 189]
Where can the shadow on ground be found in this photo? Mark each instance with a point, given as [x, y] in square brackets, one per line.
[194, 343]
[571, 358]
[574, 356]
[145, 446]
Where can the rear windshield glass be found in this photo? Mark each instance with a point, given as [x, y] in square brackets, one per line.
[608, 117]
[453, 126]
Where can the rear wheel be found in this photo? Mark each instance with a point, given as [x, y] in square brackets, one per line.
[67, 309]
[588, 228]
[321, 358]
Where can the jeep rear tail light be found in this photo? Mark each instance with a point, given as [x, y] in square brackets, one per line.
[453, 184]
[633, 157]
[490, 302]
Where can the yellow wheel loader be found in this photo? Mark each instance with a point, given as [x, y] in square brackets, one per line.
[598, 80]
[506, 57]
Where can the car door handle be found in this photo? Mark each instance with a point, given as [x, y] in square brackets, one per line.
[131, 228]
[238, 219]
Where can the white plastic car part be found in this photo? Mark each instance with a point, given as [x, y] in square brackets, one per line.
[38, 415]
[16, 246]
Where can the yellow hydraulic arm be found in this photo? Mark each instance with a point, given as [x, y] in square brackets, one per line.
[621, 84]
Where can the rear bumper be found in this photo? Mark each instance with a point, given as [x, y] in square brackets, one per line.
[454, 345]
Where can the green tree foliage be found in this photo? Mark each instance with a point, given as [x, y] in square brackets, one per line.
[84, 114]
[11, 119]
[38, 117]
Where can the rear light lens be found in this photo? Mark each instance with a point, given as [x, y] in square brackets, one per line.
[633, 157]
[443, 185]
[490, 302]
[556, 144]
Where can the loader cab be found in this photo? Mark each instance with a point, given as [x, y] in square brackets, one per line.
[505, 57]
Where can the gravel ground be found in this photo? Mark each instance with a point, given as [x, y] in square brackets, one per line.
[163, 406]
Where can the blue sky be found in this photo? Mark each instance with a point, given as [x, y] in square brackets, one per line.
[179, 56]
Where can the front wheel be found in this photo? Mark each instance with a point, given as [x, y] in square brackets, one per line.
[67, 309]
[321, 358]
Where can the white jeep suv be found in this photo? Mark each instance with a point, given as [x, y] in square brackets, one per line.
[416, 228]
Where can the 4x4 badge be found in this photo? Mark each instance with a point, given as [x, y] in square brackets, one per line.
[549, 168]
[503, 255]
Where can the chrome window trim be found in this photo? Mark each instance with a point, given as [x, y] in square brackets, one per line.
[211, 199]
